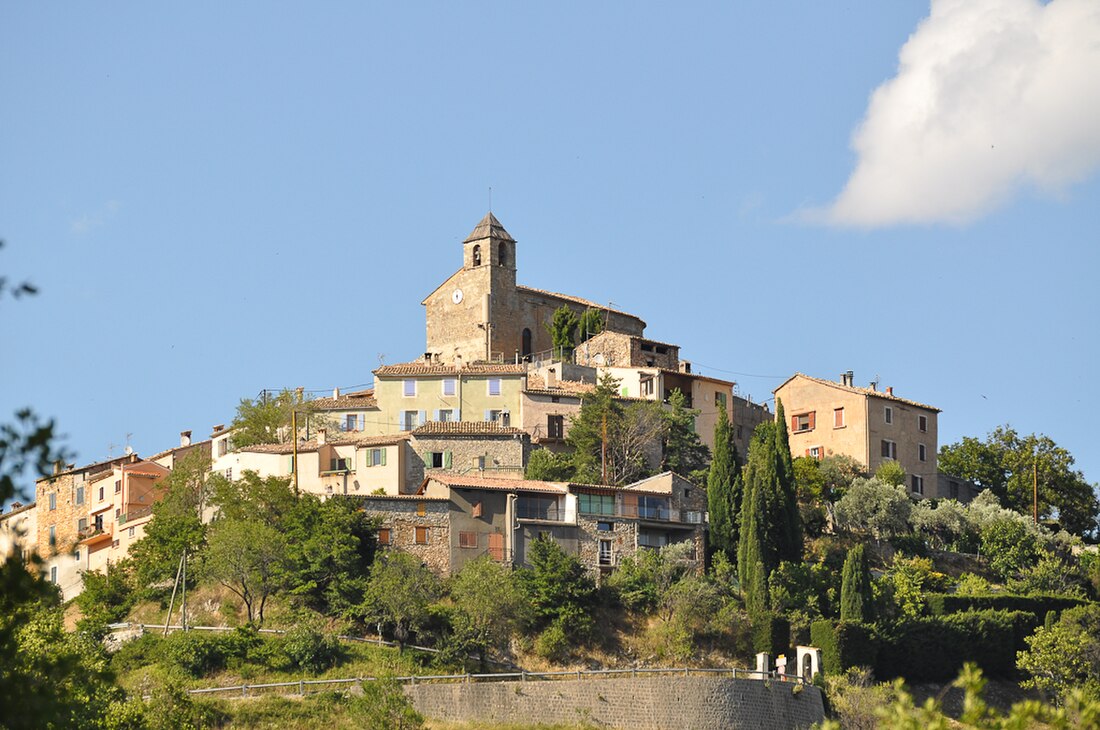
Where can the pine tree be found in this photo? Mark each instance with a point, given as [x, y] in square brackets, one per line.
[855, 589]
[590, 325]
[563, 330]
[684, 452]
[724, 506]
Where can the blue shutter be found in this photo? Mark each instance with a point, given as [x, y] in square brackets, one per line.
[488, 415]
[423, 418]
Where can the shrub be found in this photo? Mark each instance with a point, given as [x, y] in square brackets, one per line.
[309, 648]
[552, 644]
[771, 633]
[195, 653]
[844, 645]
[940, 604]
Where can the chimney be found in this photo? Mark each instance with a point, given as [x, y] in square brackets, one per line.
[874, 385]
[185, 438]
[889, 390]
[299, 393]
[335, 393]
[427, 358]
[219, 427]
[321, 435]
[56, 468]
[133, 458]
[847, 378]
[551, 378]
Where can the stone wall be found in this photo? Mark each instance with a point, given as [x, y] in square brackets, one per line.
[641, 703]
[402, 515]
[505, 456]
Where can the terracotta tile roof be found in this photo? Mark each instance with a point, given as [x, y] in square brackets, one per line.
[577, 300]
[474, 368]
[860, 391]
[698, 376]
[95, 467]
[174, 449]
[467, 428]
[312, 445]
[461, 481]
[346, 401]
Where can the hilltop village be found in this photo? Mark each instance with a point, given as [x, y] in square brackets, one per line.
[438, 449]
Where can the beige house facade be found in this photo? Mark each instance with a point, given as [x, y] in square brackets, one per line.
[872, 426]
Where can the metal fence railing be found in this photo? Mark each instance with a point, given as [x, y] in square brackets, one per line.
[303, 686]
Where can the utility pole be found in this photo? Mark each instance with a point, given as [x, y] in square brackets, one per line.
[1035, 490]
[172, 602]
[183, 594]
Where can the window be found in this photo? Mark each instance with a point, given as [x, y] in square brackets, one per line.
[888, 414]
[351, 422]
[720, 398]
[53, 575]
[838, 418]
[918, 484]
[422, 534]
[497, 416]
[525, 342]
[817, 452]
[922, 423]
[53, 535]
[130, 532]
[53, 500]
[596, 504]
[653, 508]
[80, 495]
[605, 526]
[229, 473]
[118, 486]
[223, 447]
[477, 254]
[803, 421]
[889, 449]
[648, 386]
[384, 536]
[446, 415]
[537, 507]
[114, 544]
[438, 460]
[922, 452]
[421, 509]
[77, 556]
[494, 386]
[555, 427]
[118, 511]
[101, 494]
[409, 420]
[410, 388]
[496, 546]
[605, 552]
[502, 255]
[82, 524]
[467, 539]
[99, 523]
[339, 464]
[377, 457]
[449, 386]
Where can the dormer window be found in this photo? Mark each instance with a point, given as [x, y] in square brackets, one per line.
[477, 254]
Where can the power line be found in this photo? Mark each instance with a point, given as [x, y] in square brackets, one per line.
[744, 375]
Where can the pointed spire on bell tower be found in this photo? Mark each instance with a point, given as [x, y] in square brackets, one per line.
[489, 244]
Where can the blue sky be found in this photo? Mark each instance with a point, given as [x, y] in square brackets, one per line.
[218, 198]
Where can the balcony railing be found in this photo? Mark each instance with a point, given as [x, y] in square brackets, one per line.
[657, 513]
[540, 512]
[135, 514]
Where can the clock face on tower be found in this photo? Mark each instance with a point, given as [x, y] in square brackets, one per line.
[456, 296]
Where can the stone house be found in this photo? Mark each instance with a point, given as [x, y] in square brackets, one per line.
[457, 518]
[18, 531]
[479, 313]
[63, 503]
[871, 426]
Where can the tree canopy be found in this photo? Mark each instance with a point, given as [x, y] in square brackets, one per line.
[634, 432]
[684, 452]
[268, 419]
[1004, 461]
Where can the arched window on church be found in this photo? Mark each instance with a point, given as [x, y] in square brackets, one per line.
[503, 257]
[526, 342]
[477, 254]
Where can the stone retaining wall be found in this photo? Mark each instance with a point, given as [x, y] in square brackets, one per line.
[638, 703]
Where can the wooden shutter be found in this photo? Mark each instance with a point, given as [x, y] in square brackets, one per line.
[496, 546]
[813, 418]
[630, 505]
[807, 452]
[794, 423]
[446, 459]
[382, 453]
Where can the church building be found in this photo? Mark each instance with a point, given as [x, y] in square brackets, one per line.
[480, 314]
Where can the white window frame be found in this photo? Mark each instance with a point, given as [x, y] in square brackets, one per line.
[817, 452]
[917, 484]
[893, 449]
[406, 385]
[410, 420]
[922, 452]
[446, 415]
[605, 548]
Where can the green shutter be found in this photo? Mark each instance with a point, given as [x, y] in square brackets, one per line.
[446, 459]
[383, 452]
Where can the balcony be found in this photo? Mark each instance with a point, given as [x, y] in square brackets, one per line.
[135, 514]
[539, 511]
[93, 535]
[651, 512]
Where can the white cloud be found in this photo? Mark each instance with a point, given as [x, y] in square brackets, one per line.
[990, 96]
[88, 222]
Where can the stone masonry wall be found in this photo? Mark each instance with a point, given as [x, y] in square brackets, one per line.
[504, 455]
[642, 703]
[401, 516]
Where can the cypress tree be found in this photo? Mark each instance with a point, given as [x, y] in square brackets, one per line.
[720, 502]
[756, 553]
[855, 588]
[788, 521]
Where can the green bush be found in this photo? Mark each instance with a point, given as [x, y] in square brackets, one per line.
[940, 604]
[934, 648]
[771, 633]
[552, 643]
[309, 648]
[844, 645]
[195, 653]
